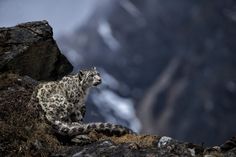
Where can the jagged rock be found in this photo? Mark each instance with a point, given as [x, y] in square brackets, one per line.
[29, 49]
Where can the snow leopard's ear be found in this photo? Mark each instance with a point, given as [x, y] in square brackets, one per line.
[81, 72]
[94, 68]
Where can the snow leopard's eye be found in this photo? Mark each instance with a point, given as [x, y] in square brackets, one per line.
[93, 74]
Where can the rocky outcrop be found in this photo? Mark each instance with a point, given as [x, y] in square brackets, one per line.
[29, 49]
[23, 133]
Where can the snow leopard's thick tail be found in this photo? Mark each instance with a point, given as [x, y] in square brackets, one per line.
[78, 129]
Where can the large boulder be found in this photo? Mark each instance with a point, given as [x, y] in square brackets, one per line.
[29, 49]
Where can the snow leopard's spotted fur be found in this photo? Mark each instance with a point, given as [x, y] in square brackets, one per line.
[63, 104]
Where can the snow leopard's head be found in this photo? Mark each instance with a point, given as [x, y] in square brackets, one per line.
[90, 77]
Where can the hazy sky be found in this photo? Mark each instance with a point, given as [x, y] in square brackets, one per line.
[62, 15]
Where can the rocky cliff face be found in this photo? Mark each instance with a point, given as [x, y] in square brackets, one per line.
[29, 49]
